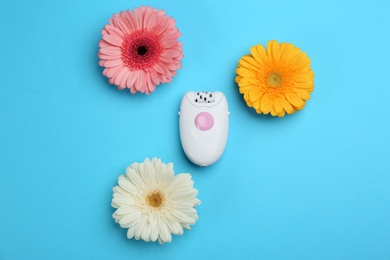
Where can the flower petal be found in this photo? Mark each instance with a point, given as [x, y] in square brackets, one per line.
[154, 231]
[258, 53]
[278, 105]
[265, 105]
[165, 235]
[293, 99]
[273, 50]
[116, 41]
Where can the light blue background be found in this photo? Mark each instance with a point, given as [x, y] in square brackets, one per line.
[313, 185]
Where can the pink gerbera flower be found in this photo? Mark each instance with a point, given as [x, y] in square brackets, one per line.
[140, 49]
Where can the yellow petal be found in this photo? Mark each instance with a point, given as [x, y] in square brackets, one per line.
[301, 93]
[258, 53]
[256, 105]
[245, 64]
[293, 99]
[243, 72]
[282, 113]
[278, 105]
[303, 77]
[265, 104]
[282, 49]
[273, 112]
[238, 78]
[273, 50]
[290, 53]
[301, 62]
[254, 94]
[244, 89]
[258, 111]
[287, 106]
[308, 86]
[303, 104]
[249, 103]
[251, 60]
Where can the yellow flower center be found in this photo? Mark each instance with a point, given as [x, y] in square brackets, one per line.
[155, 199]
[274, 79]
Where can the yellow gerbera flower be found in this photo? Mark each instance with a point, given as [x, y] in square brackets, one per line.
[276, 80]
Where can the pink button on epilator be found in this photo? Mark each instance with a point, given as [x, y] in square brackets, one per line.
[204, 121]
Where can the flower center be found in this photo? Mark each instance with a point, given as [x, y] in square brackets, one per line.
[274, 79]
[141, 50]
[155, 199]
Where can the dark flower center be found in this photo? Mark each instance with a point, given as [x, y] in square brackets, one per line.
[155, 199]
[142, 50]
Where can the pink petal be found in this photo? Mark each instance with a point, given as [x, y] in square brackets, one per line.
[119, 77]
[114, 30]
[159, 69]
[173, 66]
[111, 51]
[162, 27]
[151, 86]
[121, 24]
[133, 90]
[112, 80]
[171, 53]
[116, 41]
[111, 72]
[167, 60]
[171, 35]
[126, 21]
[137, 18]
[104, 31]
[109, 57]
[132, 78]
[103, 44]
[169, 43]
[113, 63]
[152, 20]
[122, 84]
[145, 12]
[130, 20]
[154, 78]
[141, 82]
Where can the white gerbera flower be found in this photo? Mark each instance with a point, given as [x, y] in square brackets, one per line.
[153, 203]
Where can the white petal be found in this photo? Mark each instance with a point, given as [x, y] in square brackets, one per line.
[175, 227]
[181, 179]
[147, 172]
[154, 231]
[130, 233]
[130, 219]
[146, 232]
[186, 226]
[127, 186]
[134, 177]
[124, 210]
[119, 202]
[120, 192]
[139, 228]
[164, 231]
[196, 201]
[184, 195]
[184, 204]
[180, 216]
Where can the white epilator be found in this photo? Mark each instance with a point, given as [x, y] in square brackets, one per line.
[204, 126]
